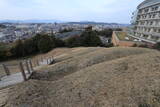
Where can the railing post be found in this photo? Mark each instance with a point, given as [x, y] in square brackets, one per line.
[37, 62]
[50, 59]
[27, 66]
[47, 61]
[42, 60]
[6, 69]
[31, 66]
[22, 71]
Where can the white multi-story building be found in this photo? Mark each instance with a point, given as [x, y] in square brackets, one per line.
[146, 22]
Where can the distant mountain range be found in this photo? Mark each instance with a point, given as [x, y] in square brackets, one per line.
[99, 23]
[58, 21]
[30, 21]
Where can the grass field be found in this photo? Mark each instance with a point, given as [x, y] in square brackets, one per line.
[93, 77]
[123, 36]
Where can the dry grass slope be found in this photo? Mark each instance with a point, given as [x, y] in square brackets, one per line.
[94, 77]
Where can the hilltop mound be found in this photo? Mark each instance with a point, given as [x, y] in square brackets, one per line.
[94, 77]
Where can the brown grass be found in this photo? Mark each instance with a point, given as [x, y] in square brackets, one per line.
[13, 64]
[115, 77]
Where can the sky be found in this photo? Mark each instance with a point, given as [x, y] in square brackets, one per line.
[118, 11]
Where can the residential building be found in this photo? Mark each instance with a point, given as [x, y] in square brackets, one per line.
[146, 22]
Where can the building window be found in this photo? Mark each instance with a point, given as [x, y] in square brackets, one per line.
[140, 11]
[159, 14]
[155, 30]
[154, 15]
[156, 23]
[155, 8]
[146, 10]
[145, 36]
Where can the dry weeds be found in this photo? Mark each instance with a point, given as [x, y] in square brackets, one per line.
[115, 77]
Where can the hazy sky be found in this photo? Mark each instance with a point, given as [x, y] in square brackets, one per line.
[69, 10]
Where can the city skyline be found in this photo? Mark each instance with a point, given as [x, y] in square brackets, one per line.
[118, 11]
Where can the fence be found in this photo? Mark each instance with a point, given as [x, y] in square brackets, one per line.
[25, 67]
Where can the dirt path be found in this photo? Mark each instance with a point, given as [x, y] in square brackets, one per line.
[3, 96]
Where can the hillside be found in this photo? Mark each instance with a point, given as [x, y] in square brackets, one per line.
[93, 77]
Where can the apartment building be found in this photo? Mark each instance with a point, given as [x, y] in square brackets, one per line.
[146, 22]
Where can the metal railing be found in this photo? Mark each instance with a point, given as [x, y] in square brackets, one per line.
[25, 66]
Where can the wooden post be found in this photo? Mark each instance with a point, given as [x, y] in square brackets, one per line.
[6, 69]
[37, 62]
[27, 66]
[51, 59]
[31, 66]
[47, 60]
[42, 59]
[22, 71]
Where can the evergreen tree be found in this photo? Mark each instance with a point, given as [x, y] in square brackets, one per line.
[45, 44]
[90, 38]
[18, 49]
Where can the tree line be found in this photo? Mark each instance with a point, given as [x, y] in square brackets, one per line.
[42, 43]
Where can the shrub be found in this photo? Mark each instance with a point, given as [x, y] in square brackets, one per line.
[144, 105]
[45, 44]
[157, 46]
[2, 55]
[65, 30]
[5, 51]
[105, 32]
[90, 38]
[135, 45]
[143, 46]
[109, 45]
[18, 49]
[30, 47]
[73, 42]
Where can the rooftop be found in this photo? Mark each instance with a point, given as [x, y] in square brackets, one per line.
[147, 3]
